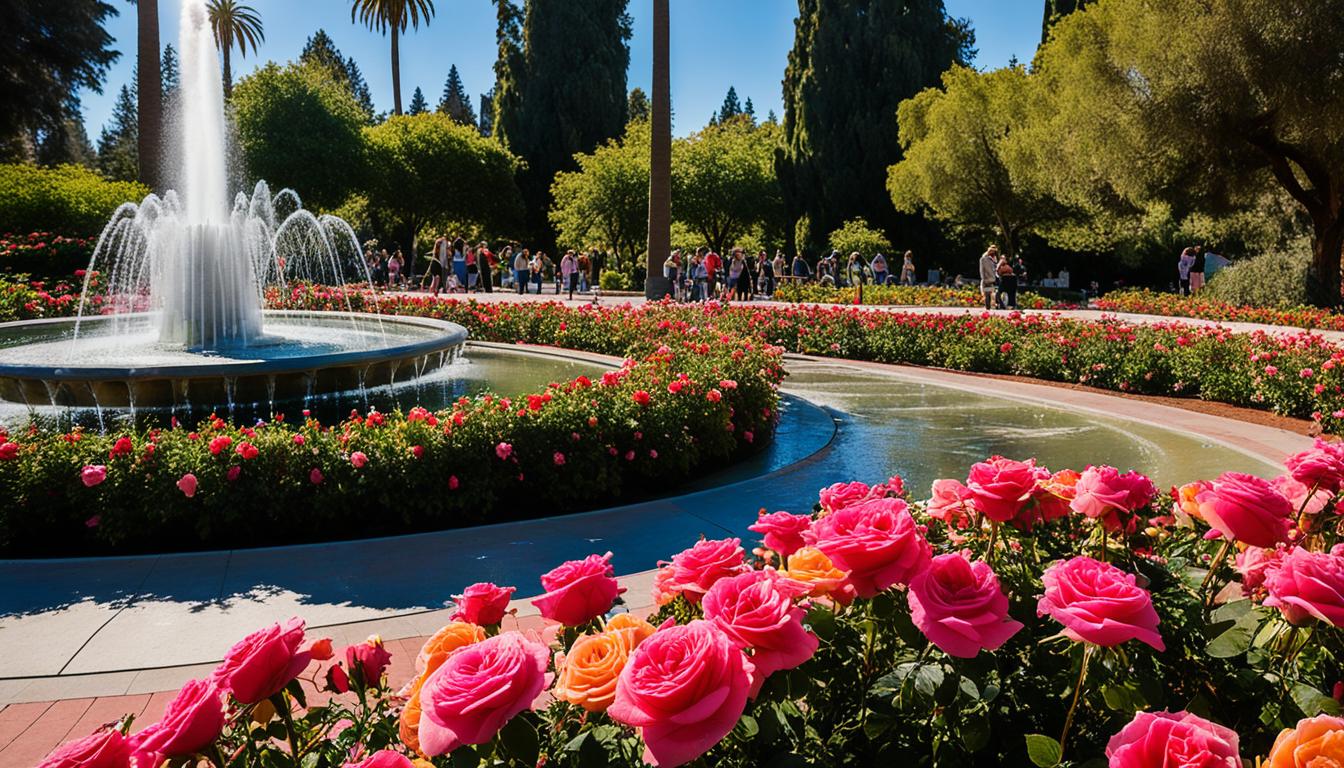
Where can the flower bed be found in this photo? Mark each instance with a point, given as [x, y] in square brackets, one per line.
[900, 295]
[23, 299]
[44, 253]
[691, 397]
[1020, 617]
[1203, 308]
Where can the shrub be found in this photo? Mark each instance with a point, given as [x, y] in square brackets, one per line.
[1277, 279]
[856, 235]
[69, 199]
[44, 253]
[611, 280]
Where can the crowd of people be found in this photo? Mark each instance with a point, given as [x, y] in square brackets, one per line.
[702, 274]
[455, 266]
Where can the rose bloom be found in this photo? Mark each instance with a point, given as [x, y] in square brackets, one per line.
[190, 722]
[1050, 501]
[684, 689]
[103, 749]
[877, 541]
[1103, 493]
[663, 590]
[1185, 500]
[1254, 564]
[951, 503]
[1316, 742]
[1321, 466]
[1307, 585]
[262, 664]
[1246, 508]
[92, 474]
[187, 485]
[578, 591]
[783, 531]
[444, 643]
[841, 495]
[811, 568]
[960, 607]
[1001, 487]
[1098, 603]
[695, 570]
[638, 629]
[1159, 739]
[587, 674]
[478, 690]
[369, 659]
[1300, 496]
[383, 758]
[482, 603]
[756, 610]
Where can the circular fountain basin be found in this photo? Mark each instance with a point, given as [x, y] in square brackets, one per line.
[303, 355]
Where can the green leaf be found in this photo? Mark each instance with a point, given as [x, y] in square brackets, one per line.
[519, 739]
[1236, 640]
[969, 689]
[975, 732]
[1312, 702]
[295, 689]
[1044, 751]
[747, 728]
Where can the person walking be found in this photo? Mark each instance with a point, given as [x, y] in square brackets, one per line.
[768, 271]
[1183, 265]
[736, 266]
[908, 268]
[473, 270]
[989, 274]
[584, 266]
[1197, 270]
[856, 272]
[394, 270]
[460, 262]
[487, 267]
[799, 270]
[1007, 283]
[537, 267]
[700, 280]
[521, 267]
[713, 266]
[880, 271]
[569, 272]
[437, 263]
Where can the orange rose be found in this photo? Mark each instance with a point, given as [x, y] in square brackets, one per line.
[1184, 502]
[812, 568]
[408, 726]
[587, 674]
[1317, 742]
[437, 649]
[633, 629]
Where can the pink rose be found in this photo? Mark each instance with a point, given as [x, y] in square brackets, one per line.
[102, 749]
[190, 722]
[263, 663]
[1307, 585]
[782, 531]
[187, 485]
[684, 688]
[479, 689]
[1246, 508]
[315, 476]
[368, 660]
[482, 604]
[1098, 603]
[92, 474]
[503, 451]
[695, 570]
[841, 495]
[1001, 487]
[1173, 739]
[951, 503]
[876, 541]
[578, 591]
[383, 758]
[960, 607]
[1103, 493]
[1301, 496]
[1254, 564]
[9, 451]
[755, 609]
[1321, 466]
[359, 459]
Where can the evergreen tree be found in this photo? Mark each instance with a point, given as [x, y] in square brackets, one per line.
[69, 144]
[455, 102]
[771, 117]
[418, 105]
[1056, 10]
[852, 63]
[486, 124]
[749, 110]
[172, 74]
[118, 151]
[637, 108]
[560, 89]
[731, 106]
[321, 51]
[360, 89]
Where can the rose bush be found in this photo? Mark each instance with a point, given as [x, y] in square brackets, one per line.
[968, 643]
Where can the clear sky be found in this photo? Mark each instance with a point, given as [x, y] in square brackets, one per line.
[715, 44]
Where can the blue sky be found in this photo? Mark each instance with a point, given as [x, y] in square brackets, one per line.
[715, 44]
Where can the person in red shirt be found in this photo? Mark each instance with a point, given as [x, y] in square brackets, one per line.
[712, 266]
[487, 262]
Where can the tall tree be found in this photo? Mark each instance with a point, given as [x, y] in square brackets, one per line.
[731, 108]
[171, 71]
[852, 63]
[49, 51]
[637, 107]
[395, 16]
[149, 90]
[455, 102]
[1252, 100]
[118, 146]
[560, 89]
[656, 286]
[749, 110]
[70, 144]
[723, 181]
[234, 24]
[321, 51]
[486, 124]
[606, 201]
[1056, 10]
[419, 105]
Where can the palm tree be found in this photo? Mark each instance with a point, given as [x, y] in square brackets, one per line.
[660, 158]
[234, 24]
[149, 84]
[396, 15]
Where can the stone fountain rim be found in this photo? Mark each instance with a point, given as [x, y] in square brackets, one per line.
[453, 335]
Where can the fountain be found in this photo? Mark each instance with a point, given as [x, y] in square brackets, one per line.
[181, 321]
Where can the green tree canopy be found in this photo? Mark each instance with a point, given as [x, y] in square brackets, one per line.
[118, 145]
[322, 161]
[321, 51]
[962, 157]
[455, 102]
[856, 235]
[1251, 99]
[606, 201]
[428, 170]
[732, 107]
[172, 73]
[723, 181]
[852, 63]
[637, 106]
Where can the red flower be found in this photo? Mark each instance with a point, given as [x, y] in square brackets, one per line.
[642, 397]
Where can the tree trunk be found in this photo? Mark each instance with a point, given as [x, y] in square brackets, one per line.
[656, 285]
[1327, 248]
[228, 75]
[149, 84]
[396, 72]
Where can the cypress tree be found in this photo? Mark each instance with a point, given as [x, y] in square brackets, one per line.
[118, 151]
[171, 73]
[486, 123]
[637, 107]
[455, 102]
[731, 106]
[852, 63]
[418, 104]
[560, 89]
[749, 110]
